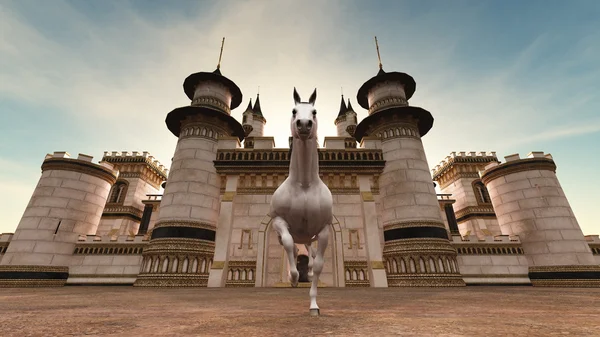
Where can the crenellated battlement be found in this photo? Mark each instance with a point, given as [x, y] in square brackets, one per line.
[490, 245]
[6, 237]
[138, 165]
[113, 239]
[80, 157]
[591, 239]
[535, 160]
[498, 239]
[461, 164]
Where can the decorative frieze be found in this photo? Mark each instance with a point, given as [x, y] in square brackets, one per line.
[109, 249]
[338, 168]
[356, 274]
[461, 165]
[241, 274]
[122, 211]
[211, 102]
[472, 212]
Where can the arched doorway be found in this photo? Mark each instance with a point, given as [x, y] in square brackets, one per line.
[272, 263]
[302, 266]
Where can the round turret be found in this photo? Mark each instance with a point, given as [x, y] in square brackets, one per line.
[68, 202]
[530, 203]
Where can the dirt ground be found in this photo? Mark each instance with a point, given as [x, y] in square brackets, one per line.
[128, 311]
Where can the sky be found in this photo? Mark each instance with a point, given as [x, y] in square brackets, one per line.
[506, 76]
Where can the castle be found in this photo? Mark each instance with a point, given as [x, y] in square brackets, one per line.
[107, 223]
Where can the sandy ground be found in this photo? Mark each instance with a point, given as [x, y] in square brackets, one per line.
[128, 311]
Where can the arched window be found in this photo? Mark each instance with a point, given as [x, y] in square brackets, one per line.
[118, 192]
[481, 193]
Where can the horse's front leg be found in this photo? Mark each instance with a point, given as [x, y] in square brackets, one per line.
[281, 226]
[323, 240]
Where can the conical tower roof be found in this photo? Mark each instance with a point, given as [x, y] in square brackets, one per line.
[350, 106]
[343, 107]
[256, 108]
[249, 108]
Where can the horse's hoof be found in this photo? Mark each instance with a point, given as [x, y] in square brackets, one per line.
[294, 279]
[315, 312]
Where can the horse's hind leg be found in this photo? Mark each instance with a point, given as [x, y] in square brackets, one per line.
[281, 226]
[323, 239]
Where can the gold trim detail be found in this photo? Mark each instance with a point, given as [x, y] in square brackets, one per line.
[377, 265]
[218, 265]
[32, 283]
[367, 196]
[185, 223]
[228, 196]
[574, 283]
[568, 268]
[409, 224]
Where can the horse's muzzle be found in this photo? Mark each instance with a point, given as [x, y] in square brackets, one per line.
[304, 126]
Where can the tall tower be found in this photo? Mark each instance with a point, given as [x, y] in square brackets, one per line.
[258, 120]
[247, 119]
[530, 203]
[415, 238]
[67, 202]
[345, 122]
[181, 245]
[253, 122]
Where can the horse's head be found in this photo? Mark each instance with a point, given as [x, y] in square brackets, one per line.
[304, 117]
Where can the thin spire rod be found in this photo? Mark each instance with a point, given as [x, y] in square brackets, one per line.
[342, 91]
[221, 54]
[258, 91]
[378, 55]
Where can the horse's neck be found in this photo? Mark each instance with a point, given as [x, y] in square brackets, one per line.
[304, 164]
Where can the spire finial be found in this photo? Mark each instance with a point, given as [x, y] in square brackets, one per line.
[258, 91]
[342, 91]
[221, 54]
[378, 56]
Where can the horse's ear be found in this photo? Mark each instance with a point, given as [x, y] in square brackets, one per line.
[296, 97]
[313, 97]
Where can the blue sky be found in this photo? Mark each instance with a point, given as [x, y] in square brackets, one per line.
[505, 76]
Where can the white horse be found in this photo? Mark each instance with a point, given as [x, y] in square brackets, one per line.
[301, 207]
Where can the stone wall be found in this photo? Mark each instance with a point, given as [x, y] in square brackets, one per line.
[106, 260]
[492, 260]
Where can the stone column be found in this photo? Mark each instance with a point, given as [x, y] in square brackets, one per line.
[530, 203]
[218, 273]
[377, 275]
[67, 202]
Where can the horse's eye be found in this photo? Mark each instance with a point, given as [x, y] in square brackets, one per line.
[294, 112]
[314, 112]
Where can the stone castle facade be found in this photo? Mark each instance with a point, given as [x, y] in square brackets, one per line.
[108, 223]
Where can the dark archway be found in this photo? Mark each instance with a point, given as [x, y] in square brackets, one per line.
[302, 266]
